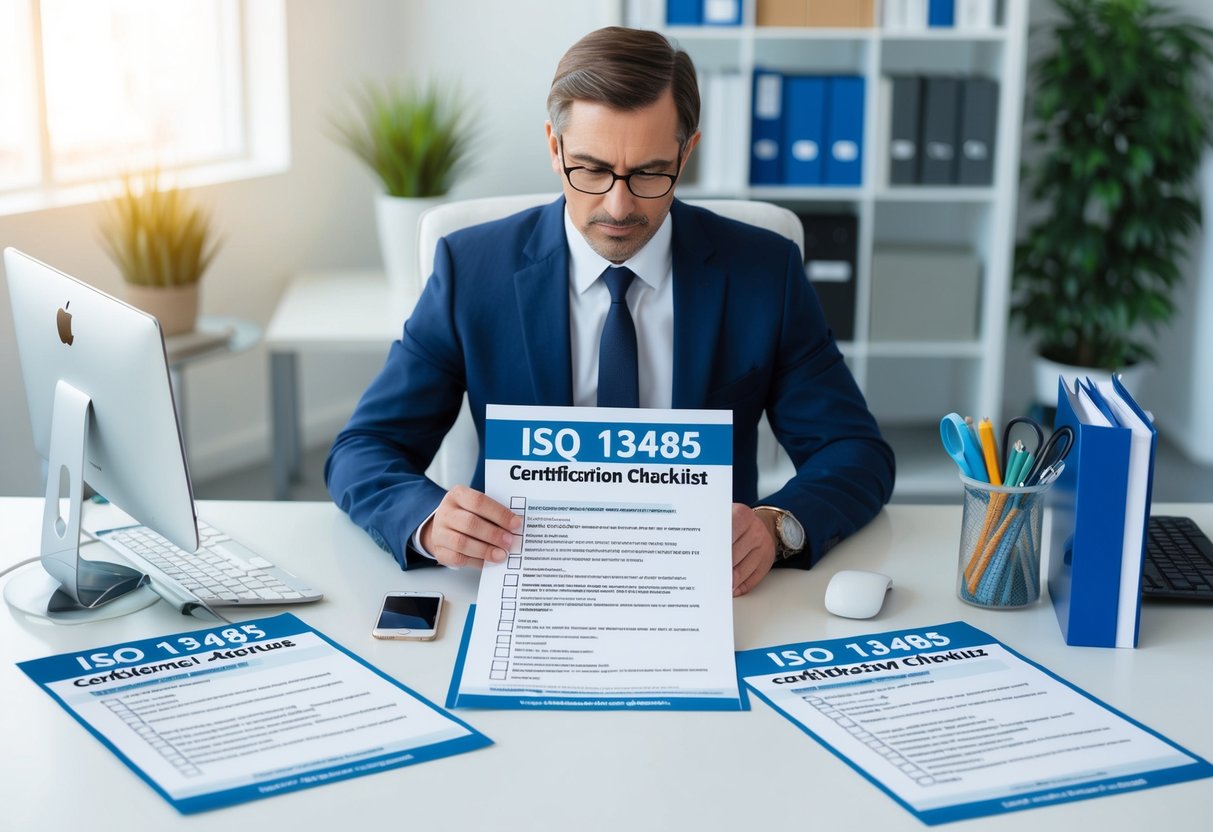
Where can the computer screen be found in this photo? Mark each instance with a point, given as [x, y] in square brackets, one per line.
[102, 412]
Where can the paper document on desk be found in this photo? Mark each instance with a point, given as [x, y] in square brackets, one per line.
[952, 724]
[241, 711]
[619, 593]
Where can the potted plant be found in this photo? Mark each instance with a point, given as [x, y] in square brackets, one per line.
[415, 139]
[162, 245]
[1122, 118]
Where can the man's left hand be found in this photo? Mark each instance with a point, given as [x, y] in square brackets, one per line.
[753, 548]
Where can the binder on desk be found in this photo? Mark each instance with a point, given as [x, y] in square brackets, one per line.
[1100, 506]
[766, 130]
[844, 130]
[804, 129]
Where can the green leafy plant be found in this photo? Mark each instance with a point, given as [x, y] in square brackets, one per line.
[1122, 116]
[155, 235]
[412, 137]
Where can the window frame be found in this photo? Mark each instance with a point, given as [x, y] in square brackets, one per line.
[263, 99]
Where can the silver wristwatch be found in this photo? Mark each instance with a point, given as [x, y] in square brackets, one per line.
[789, 534]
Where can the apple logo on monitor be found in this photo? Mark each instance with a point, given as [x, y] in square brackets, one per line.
[63, 320]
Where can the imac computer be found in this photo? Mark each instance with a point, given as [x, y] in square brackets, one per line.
[102, 411]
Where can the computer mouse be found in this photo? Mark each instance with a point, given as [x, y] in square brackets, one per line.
[857, 593]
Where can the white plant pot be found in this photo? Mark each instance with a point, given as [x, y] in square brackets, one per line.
[1046, 373]
[397, 218]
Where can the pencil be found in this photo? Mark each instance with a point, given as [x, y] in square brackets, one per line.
[989, 448]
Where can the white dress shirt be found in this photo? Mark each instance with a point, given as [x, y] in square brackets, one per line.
[650, 300]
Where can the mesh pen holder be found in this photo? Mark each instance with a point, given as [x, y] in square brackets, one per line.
[1000, 545]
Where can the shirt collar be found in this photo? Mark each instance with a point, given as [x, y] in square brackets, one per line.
[652, 264]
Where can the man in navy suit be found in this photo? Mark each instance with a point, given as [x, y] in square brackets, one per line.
[706, 312]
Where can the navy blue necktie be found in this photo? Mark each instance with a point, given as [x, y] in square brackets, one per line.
[618, 374]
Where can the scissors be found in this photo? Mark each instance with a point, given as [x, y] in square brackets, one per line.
[961, 445]
[1007, 432]
[1052, 455]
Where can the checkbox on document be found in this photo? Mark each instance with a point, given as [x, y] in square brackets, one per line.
[509, 592]
[517, 502]
[514, 562]
[504, 639]
[509, 605]
[497, 675]
[507, 626]
[507, 615]
[502, 652]
[511, 580]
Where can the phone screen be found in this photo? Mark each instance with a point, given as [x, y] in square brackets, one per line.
[408, 612]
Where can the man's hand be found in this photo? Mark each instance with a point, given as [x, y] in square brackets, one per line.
[753, 547]
[469, 528]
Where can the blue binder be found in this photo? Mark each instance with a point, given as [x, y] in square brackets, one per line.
[941, 13]
[1088, 528]
[844, 130]
[684, 12]
[804, 129]
[766, 131]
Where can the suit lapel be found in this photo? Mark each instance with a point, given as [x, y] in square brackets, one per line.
[699, 300]
[542, 291]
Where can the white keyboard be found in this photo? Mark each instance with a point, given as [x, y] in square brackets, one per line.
[223, 572]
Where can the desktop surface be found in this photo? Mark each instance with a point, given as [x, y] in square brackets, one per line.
[598, 770]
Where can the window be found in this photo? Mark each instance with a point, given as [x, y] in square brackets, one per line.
[92, 90]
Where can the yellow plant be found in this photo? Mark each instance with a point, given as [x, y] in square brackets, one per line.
[156, 236]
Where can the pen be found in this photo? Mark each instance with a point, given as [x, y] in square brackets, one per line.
[989, 448]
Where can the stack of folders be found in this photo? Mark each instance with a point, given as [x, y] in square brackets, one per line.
[940, 129]
[1100, 511]
[806, 129]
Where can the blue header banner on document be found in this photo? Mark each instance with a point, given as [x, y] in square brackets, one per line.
[952, 724]
[617, 593]
[551, 440]
[153, 703]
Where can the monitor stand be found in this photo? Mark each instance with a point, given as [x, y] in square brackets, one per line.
[69, 587]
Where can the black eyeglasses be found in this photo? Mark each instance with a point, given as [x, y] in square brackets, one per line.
[600, 180]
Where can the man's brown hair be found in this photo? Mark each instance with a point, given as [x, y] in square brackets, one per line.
[625, 69]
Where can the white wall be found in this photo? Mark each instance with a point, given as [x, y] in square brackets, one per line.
[319, 214]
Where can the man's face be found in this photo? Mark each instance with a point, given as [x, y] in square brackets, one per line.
[617, 224]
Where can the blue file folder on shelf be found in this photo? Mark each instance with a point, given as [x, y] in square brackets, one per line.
[844, 130]
[804, 129]
[1100, 504]
[766, 131]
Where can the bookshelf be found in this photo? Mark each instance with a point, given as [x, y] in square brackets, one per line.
[910, 382]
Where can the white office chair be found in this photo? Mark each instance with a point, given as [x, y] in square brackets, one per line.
[456, 458]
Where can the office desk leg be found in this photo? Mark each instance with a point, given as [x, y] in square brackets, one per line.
[284, 407]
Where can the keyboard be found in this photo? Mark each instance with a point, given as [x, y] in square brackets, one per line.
[1179, 560]
[222, 573]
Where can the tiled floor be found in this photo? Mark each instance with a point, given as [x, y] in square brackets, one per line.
[1176, 479]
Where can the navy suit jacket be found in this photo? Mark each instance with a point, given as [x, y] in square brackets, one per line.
[493, 320]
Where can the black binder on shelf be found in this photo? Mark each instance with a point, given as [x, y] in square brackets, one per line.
[830, 247]
[904, 130]
[941, 97]
[975, 143]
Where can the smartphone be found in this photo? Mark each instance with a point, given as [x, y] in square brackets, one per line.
[412, 616]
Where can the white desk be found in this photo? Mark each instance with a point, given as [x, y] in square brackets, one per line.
[603, 770]
[350, 312]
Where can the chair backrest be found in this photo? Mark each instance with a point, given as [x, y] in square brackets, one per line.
[456, 458]
[441, 220]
